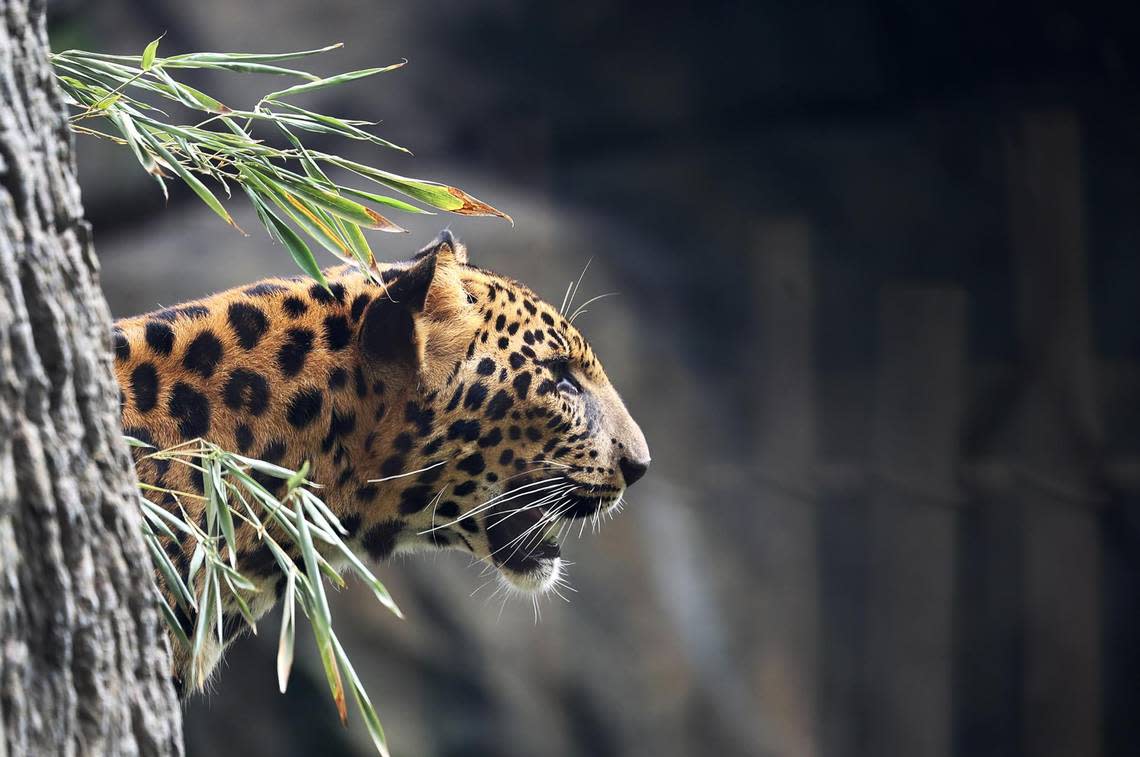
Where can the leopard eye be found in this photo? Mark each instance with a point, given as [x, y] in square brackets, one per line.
[565, 382]
[567, 385]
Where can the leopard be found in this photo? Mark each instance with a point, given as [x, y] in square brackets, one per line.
[436, 404]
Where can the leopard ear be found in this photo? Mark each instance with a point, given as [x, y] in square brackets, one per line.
[443, 242]
[392, 330]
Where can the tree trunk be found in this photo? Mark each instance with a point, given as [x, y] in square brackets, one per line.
[84, 666]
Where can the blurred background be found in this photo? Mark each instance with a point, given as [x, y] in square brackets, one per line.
[878, 275]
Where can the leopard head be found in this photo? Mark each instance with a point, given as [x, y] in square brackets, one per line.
[504, 427]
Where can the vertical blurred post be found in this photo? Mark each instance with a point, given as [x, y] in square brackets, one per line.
[919, 401]
[784, 520]
[1057, 434]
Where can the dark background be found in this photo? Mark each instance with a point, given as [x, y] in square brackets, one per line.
[877, 266]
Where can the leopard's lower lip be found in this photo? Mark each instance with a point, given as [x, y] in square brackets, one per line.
[517, 537]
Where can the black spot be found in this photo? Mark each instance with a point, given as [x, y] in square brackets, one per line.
[469, 525]
[507, 456]
[358, 304]
[448, 509]
[499, 405]
[421, 417]
[513, 328]
[246, 389]
[500, 322]
[191, 409]
[361, 384]
[504, 342]
[433, 446]
[466, 430]
[522, 384]
[514, 432]
[546, 387]
[248, 323]
[160, 337]
[351, 523]
[493, 438]
[304, 407]
[203, 354]
[193, 312]
[263, 290]
[274, 452]
[294, 306]
[377, 387]
[292, 354]
[187, 624]
[432, 474]
[475, 396]
[403, 442]
[486, 367]
[244, 438]
[367, 493]
[325, 296]
[122, 346]
[547, 319]
[340, 425]
[454, 403]
[338, 378]
[472, 464]
[393, 466]
[414, 499]
[258, 562]
[380, 540]
[533, 433]
[462, 490]
[337, 332]
[144, 386]
[345, 476]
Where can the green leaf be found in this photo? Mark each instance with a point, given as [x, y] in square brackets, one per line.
[441, 196]
[391, 202]
[149, 53]
[363, 703]
[173, 624]
[331, 81]
[199, 188]
[288, 633]
[261, 57]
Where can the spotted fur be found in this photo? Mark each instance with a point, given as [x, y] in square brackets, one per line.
[476, 401]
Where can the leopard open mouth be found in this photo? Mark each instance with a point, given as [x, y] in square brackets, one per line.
[522, 532]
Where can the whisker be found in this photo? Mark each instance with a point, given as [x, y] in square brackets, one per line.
[582, 308]
[409, 473]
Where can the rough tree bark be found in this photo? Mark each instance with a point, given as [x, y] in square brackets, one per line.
[84, 667]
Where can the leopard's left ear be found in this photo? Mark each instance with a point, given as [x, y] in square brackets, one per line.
[445, 240]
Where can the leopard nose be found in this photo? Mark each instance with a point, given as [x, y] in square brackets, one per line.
[632, 470]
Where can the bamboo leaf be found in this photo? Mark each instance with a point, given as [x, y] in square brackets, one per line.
[331, 81]
[149, 53]
[441, 196]
[252, 57]
[288, 633]
[199, 188]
